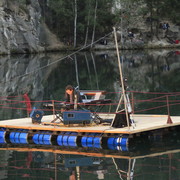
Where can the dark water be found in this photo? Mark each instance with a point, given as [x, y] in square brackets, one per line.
[34, 163]
[150, 75]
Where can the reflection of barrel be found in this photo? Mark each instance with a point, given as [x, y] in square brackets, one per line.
[18, 137]
[117, 143]
[91, 140]
[67, 139]
[2, 137]
[41, 138]
[122, 148]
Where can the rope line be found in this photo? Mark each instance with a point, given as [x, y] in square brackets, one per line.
[10, 103]
[58, 110]
[143, 92]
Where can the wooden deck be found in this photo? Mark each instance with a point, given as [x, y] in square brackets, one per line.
[143, 123]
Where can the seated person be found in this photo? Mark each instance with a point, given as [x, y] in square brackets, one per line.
[72, 95]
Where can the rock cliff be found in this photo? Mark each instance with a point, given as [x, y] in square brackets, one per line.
[22, 28]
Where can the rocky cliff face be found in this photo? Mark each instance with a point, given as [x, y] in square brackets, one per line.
[22, 29]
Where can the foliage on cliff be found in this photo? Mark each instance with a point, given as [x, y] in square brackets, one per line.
[80, 19]
[79, 22]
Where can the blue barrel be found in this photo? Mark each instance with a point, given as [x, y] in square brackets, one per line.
[97, 142]
[47, 139]
[72, 140]
[36, 138]
[23, 138]
[12, 137]
[122, 141]
[65, 138]
[117, 143]
[44, 139]
[16, 137]
[41, 138]
[111, 141]
[2, 137]
[84, 141]
[60, 140]
[91, 140]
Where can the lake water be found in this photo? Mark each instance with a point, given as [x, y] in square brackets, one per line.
[151, 75]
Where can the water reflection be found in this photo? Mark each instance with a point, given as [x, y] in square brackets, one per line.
[35, 73]
[45, 76]
[155, 157]
[34, 163]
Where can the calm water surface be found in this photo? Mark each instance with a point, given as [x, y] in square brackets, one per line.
[45, 76]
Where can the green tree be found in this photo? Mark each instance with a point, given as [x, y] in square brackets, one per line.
[171, 9]
[82, 21]
[158, 10]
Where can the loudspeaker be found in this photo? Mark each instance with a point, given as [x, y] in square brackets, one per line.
[36, 115]
[120, 120]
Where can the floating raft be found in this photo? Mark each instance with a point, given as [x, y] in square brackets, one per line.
[23, 131]
[143, 123]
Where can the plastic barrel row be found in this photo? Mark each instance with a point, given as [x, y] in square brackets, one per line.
[42, 138]
[2, 137]
[70, 139]
[91, 140]
[18, 137]
[118, 143]
[67, 139]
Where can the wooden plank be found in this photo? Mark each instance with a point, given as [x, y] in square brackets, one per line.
[143, 123]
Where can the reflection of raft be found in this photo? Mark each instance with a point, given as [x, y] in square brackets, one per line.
[124, 162]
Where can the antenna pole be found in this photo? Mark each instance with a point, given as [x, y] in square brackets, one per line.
[121, 78]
